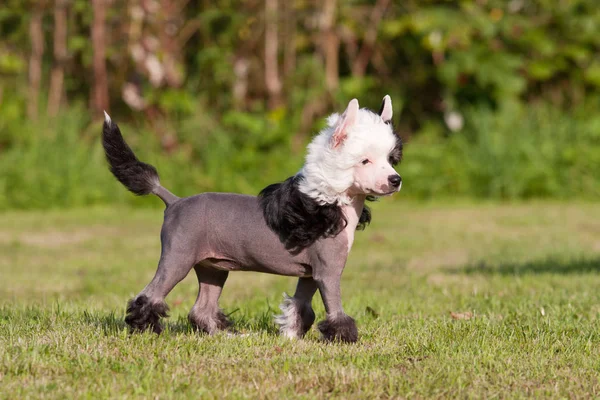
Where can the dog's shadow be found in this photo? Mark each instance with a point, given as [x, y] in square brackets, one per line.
[113, 324]
[551, 265]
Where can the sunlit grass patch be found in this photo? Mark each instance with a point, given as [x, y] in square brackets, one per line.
[451, 301]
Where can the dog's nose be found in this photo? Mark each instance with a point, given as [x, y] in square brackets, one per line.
[395, 180]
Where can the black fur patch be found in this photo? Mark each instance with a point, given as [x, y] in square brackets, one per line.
[139, 177]
[296, 218]
[396, 153]
[342, 329]
[365, 216]
[307, 316]
[143, 315]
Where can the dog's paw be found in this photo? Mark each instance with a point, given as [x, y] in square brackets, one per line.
[222, 321]
[143, 315]
[296, 318]
[340, 328]
[209, 323]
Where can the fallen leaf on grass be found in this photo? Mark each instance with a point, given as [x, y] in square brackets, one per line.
[461, 315]
[176, 302]
[377, 238]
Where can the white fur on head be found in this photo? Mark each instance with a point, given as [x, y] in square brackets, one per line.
[329, 169]
[386, 111]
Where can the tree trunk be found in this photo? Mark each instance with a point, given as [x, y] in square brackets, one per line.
[170, 18]
[60, 57]
[272, 81]
[289, 57]
[100, 88]
[331, 45]
[359, 67]
[35, 62]
[241, 68]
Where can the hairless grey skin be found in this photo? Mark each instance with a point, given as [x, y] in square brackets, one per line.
[215, 233]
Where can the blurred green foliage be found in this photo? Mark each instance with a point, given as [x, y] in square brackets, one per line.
[519, 154]
[529, 153]
[523, 77]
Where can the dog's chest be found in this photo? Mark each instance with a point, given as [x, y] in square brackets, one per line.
[352, 213]
[349, 231]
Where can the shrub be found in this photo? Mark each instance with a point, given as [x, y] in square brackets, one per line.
[512, 154]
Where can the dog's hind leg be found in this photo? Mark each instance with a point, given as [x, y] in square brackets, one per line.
[145, 310]
[206, 316]
[297, 313]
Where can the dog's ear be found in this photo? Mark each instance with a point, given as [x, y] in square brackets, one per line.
[345, 122]
[385, 112]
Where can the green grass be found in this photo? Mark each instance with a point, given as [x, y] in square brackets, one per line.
[528, 273]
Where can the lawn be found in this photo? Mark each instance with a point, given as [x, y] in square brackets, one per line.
[460, 300]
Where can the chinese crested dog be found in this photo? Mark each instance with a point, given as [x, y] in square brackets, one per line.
[302, 227]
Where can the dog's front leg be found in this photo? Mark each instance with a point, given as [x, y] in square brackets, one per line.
[337, 326]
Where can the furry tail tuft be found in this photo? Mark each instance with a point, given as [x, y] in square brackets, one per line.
[137, 176]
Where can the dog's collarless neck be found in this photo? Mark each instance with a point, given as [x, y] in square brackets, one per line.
[354, 209]
[352, 213]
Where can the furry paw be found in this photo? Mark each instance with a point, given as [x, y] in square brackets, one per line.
[296, 318]
[143, 315]
[340, 328]
[210, 324]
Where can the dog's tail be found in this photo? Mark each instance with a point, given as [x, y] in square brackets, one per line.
[139, 177]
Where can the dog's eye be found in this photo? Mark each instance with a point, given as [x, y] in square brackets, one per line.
[365, 161]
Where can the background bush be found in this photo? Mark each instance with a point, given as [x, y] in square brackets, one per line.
[495, 99]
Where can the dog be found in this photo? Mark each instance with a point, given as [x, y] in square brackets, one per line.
[302, 227]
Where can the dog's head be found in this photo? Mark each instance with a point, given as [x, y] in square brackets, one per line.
[354, 155]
